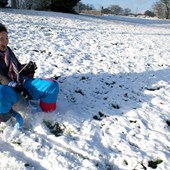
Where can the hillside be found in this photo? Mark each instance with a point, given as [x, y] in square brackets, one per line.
[113, 107]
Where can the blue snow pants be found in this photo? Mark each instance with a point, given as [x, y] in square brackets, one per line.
[44, 89]
[8, 97]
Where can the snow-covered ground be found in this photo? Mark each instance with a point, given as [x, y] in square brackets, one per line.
[114, 102]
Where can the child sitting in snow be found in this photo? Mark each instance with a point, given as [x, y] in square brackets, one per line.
[16, 81]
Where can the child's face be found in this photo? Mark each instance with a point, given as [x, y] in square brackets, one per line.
[3, 40]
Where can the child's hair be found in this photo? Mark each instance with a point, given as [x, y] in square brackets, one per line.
[3, 28]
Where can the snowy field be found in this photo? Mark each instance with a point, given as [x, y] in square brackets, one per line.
[114, 103]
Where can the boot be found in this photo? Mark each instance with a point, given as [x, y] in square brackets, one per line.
[18, 118]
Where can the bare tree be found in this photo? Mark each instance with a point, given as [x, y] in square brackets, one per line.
[17, 4]
[116, 9]
[42, 4]
[30, 4]
[14, 3]
[166, 4]
[162, 8]
[127, 11]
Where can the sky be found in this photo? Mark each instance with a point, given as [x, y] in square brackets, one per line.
[135, 5]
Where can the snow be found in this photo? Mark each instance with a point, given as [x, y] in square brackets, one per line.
[114, 101]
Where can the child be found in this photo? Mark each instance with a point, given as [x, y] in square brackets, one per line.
[19, 79]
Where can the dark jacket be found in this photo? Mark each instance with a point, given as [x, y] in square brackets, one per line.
[9, 67]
